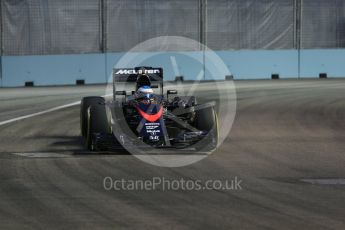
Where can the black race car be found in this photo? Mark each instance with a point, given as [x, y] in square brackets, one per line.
[145, 120]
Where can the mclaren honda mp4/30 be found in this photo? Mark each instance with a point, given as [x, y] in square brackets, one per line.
[146, 116]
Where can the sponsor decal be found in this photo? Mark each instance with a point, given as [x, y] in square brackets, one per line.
[152, 130]
[151, 117]
[133, 71]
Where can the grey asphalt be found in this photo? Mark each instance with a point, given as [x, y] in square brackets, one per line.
[284, 131]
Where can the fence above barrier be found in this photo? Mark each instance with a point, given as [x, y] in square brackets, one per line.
[98, 26]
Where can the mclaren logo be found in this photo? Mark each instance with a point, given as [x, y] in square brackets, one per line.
[133, 71]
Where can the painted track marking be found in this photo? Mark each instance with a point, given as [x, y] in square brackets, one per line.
[42, 155]
[330, 181]
[43, 112]
[39, 113]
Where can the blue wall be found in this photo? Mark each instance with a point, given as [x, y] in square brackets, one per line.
[331, 62]
[247, 64]
[52, 69]
[0, 71]
[244, 64]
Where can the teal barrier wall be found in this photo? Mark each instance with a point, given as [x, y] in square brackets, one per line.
[331, 62]
[261, 64]
[0, 71]
[52, 69]
[244, 64]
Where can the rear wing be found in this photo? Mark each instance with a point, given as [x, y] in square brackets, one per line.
[131, 74]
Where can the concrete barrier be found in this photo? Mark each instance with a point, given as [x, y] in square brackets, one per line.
[243, 64]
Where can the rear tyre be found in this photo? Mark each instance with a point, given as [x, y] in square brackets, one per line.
[86, 102]
[97, 122]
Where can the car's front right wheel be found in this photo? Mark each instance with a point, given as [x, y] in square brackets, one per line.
[86, 102]
[97, 123]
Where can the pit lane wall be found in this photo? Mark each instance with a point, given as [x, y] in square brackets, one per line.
[45, 70]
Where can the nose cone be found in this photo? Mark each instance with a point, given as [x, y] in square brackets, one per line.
[150, 112]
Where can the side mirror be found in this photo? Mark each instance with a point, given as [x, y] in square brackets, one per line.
[169, 92]
[121, 93]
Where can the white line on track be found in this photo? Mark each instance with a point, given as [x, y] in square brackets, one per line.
[42, 112]
[330, 181]
[39, 113]
[42, 155]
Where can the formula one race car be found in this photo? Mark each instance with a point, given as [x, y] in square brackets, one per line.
[143, 118]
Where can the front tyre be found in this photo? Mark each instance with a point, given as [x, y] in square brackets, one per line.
[97, 123]
[206, 120]
[86, 102]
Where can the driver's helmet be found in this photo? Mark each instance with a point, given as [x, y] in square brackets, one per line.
[146, 91]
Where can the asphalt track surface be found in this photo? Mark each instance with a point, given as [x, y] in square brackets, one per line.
[284, 132]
